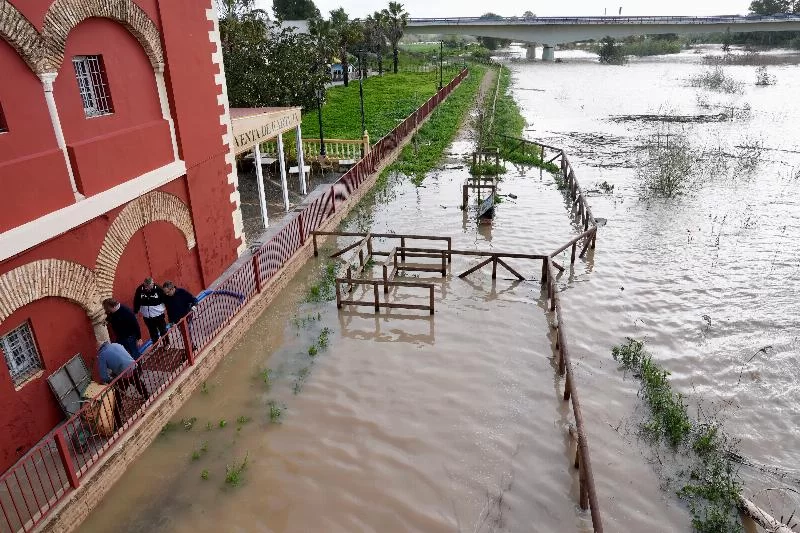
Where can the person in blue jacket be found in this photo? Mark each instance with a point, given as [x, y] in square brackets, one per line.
[113, 361]
[124, 325]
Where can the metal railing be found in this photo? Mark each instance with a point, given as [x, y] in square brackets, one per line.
[56, 466]
[545, 21]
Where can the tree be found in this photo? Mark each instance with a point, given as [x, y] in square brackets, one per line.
[345, 34]
[492, 43]
[264, 64]
[727, 40]
[295, 9]
[529, 15]
[774, 7]
[609, 52]
[375, 36]
[396, 22]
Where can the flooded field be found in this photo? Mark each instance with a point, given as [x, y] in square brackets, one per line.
[404, 422]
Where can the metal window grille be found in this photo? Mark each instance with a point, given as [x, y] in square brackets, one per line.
[93, 85]
[21, 354]
[3, 125]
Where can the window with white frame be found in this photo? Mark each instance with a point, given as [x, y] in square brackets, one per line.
[21, 354]
[93, 85]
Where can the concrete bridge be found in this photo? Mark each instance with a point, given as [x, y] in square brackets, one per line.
[551, 31]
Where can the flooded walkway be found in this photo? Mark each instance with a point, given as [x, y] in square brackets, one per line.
[401, 422]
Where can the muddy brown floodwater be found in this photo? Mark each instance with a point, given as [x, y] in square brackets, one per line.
[453, 423]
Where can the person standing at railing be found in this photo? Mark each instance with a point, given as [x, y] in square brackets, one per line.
[124, 325]
[114, 361]
[180, 303]
[149, 300]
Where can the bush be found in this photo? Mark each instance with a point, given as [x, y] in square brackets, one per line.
[610, 53]
[667, 166]
[763, 77]
[716, 79]
[651, 47]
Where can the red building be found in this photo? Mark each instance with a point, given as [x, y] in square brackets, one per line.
[116, 164]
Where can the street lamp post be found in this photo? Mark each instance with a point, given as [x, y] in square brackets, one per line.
[320, 95]
[441, 74]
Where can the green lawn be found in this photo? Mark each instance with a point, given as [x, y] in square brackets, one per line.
[420, 157]
[387, 101]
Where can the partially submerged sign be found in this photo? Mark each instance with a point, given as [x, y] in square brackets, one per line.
[260, 124]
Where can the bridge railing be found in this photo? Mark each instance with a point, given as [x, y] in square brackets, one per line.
[721, 19]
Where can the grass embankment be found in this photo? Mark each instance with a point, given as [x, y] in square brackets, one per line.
[706, 477]
[388, 99]
[425, 152]
[509, 121]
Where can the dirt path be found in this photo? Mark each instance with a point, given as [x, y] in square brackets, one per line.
[488, 84]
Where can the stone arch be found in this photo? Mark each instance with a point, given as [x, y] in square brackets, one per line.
[152, 207]
[17, 31]
[53, 278]
[63, 15]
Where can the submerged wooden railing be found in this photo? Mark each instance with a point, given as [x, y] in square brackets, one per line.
[396, 262]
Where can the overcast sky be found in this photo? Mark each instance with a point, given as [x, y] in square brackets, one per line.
[469, 8]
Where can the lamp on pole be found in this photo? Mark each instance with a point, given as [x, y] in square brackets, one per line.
[441, 74]
[320, 96]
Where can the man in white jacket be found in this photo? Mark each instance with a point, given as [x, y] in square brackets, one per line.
[149, 301]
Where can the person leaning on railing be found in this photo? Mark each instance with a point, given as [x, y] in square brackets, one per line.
[113, 361]
[180, 303]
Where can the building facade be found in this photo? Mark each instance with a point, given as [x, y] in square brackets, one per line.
[116, 164]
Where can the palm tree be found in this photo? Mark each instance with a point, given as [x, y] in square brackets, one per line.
[346, 33]
[396, 22]
[375, 36]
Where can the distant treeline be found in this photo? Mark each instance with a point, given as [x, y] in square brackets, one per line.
[777, 39]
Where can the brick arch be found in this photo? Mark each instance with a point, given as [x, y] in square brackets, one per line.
[52, 278]
[17, 31]
[63, 15]
[151, 207]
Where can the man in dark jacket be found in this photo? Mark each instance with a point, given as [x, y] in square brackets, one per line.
[149, 300]
[179, 302]
[124, 325]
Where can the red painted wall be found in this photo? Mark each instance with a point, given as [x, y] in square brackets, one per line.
[100, 146]
[30, 160]
[109, 150]
[62, 329]
[103, 162]
[193, 96]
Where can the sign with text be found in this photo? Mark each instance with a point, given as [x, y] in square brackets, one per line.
[261, 127]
